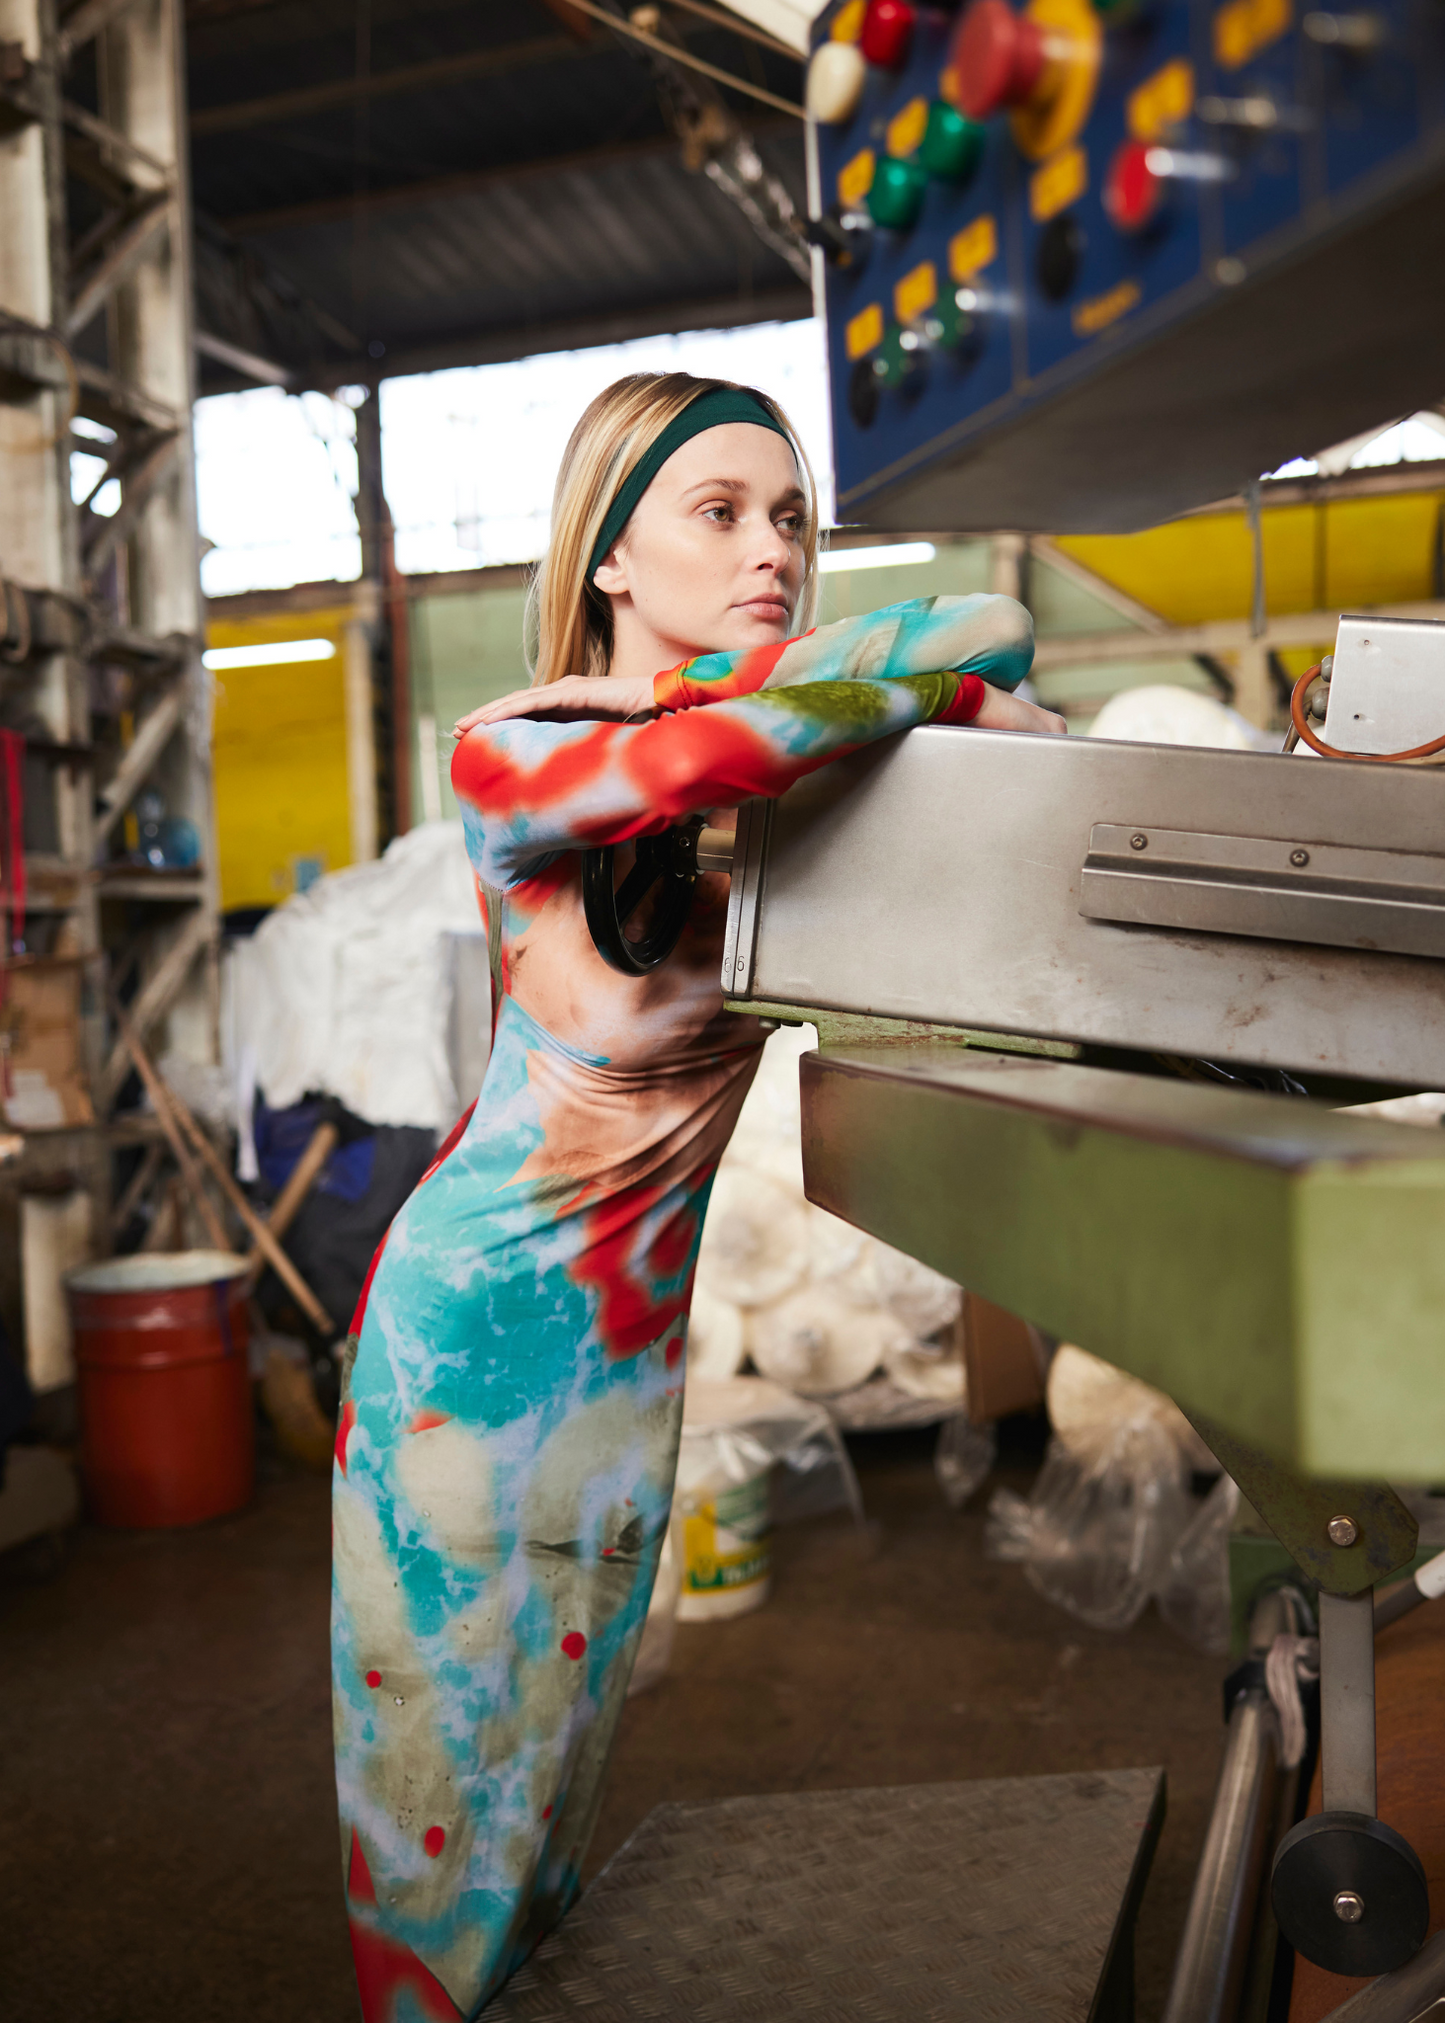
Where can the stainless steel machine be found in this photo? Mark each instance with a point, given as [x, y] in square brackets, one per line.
[1125, 994]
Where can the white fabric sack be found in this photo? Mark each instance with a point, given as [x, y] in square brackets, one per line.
[342, 989]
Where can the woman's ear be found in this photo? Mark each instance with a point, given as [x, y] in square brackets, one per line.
[610, 575]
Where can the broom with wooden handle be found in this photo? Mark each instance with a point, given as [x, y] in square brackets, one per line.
[179, 1125]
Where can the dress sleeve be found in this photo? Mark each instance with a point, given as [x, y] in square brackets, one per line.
[529, 788]
[992, 637]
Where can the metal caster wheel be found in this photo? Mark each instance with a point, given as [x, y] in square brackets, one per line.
[1350, 1894]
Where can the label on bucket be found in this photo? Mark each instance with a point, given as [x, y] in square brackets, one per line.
[725, 1541]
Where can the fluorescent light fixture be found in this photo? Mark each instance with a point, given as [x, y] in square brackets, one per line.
[276, 655]
[896, 555]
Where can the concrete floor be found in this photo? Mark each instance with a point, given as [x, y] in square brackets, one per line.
[167, 1827]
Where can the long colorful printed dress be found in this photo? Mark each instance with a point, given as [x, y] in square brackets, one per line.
[510, 1417]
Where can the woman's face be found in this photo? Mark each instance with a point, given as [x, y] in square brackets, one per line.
[712, 557]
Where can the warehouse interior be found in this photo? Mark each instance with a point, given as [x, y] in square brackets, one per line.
[1039, 1618]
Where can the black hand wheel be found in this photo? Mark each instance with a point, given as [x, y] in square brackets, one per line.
[1350, 1894]
[669, 860]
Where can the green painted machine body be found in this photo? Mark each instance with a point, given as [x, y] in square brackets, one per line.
[1277, 1266]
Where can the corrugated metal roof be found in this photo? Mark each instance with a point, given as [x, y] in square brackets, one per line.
[454, 179]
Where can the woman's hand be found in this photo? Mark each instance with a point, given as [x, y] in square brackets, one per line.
[576, 695]
[1004, 712]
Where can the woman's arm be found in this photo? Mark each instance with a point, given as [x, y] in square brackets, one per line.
[992, 637]
[530, 788]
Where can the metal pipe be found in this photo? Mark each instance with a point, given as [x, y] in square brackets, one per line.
[1254, 1997]
[1402, 1996]
[1347, 1701]
[1209, 1968]
[1425, 1584]
[1213, 1955]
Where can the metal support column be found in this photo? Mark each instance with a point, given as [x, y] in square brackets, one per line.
[101, 618]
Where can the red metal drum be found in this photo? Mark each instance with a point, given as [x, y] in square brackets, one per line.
[166, 1429]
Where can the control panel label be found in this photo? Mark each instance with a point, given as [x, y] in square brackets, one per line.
[916, 293]
[1061, 181]
[1091, 317]
[855, 180]
[864, 332]
[1166, 99]
[973, 249]
[906, 129]
[1245, 27]
[848, 22]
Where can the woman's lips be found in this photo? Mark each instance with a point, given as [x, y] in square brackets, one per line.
[765, 607]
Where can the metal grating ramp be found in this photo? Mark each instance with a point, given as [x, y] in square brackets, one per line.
[1012, 1898]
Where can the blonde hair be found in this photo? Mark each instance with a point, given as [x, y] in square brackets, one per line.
[569, 621]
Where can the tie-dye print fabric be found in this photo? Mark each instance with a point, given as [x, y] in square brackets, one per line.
[979, 635]
[512, 1404]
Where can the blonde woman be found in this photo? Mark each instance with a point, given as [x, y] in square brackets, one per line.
[510, 1419]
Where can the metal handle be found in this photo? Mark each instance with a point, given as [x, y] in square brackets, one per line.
[1278, 889]
[715, 849]
[674, 861]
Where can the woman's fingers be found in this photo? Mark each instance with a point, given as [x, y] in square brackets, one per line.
[557, 699]
[521, 702]
[1001, 711]
[576, 695]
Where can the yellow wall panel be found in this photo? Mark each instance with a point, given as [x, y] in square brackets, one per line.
[1316, 557]
[279, 745]
[1382, 551]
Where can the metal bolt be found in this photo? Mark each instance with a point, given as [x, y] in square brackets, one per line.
[1138, 842]
[1299, 858]
[1349, 1907]
[1342, 1531]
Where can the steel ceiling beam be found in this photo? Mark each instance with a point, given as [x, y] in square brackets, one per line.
[443, 70]
[464, 183]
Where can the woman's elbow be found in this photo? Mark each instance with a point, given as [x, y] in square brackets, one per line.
[1008, 639]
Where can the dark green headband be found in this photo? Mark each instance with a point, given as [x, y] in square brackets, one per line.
[719, 405]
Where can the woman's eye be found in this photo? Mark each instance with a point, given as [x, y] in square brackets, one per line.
[790, 527]
[718, 514]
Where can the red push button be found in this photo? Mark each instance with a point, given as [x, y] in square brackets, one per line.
[1133, 194]
[997, 57]
[887, 33]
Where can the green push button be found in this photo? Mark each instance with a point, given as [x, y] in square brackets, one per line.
[896, 197]
[952, 143]
[955, 322]
[899, 357]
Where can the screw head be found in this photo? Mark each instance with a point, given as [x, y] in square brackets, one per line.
[1138, 842]
[1342, 1531]
[1299, 858]
[1349, 1907]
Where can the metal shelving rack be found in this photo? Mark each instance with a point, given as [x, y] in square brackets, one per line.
[101, 617]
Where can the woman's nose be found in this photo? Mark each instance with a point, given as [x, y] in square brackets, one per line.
[772, 550]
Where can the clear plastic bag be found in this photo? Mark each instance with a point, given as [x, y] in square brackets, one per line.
[1194, 1599]
[746, 1426]
[1095, 1538]
[963, 1458]
[736, 1431]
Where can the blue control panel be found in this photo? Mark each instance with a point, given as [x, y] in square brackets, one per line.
[1086, 267]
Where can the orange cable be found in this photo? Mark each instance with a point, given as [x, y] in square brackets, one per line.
[1418, 755]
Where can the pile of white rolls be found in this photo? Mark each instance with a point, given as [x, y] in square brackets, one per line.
[818, 1306]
